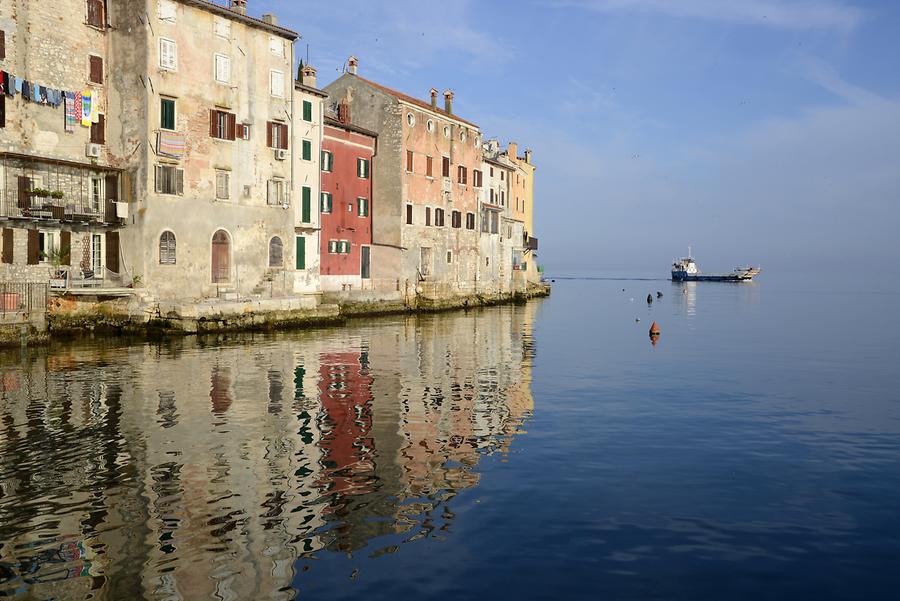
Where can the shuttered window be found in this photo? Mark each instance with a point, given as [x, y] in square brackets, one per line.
[222, 68]
[445, 167]
[305, 202]
[8, 245]
[301, 252]
[409, 161]
[276, 83]
[362, 207]
[95, 13]
[96, 69]
[2, 110]
[362, 168]
[98, 131]
[477, 178]
[34, 247]
[326, 202]
[439, 217]
[2, 45]
[470, 221]
[167, 113]
[456, 219]
[276, 252]
[275, 192]
[168, 54]
[277, 135]
[409, 214]
[327, 161]
[223, 184]
[427, 215]
[429, 167]
[462, 175]
[169, 180]
[222, 124]
[307, 150]
[307, 110]
[167, 248]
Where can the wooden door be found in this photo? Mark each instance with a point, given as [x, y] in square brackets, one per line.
[221, 257]
[112, 251]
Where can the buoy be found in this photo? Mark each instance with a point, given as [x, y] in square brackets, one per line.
[659, 295]
[637, 319]
[654, 330]
[649, 299]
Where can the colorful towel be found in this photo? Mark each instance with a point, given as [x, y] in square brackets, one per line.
[78, 106]
[71, 118]
[170, 144]
[86, 117]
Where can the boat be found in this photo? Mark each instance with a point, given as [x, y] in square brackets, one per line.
[686, 270]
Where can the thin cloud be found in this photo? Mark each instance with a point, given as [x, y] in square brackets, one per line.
[786, 14]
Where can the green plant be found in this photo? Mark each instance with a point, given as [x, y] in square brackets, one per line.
[57, 194]
[136, 280]
[40, 192]
[56, 256]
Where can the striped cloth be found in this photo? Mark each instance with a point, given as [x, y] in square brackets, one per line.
[170, 144]
[71, 113]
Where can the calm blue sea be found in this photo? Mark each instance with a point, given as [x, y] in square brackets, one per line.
[536, 452]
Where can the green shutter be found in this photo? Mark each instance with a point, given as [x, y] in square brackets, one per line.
[307, 150]
[307, 110]
[167, 113]
[301, 252]
[307, 196]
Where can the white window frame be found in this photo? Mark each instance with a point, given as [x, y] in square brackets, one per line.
[224, 61]
[279, 92]
[175, 108]
[327, 161]
[175, 171]
[166, 66]
[223, 191]
[97, 251]
[322, 207]
[50, 240]
[360, 202]
[161, 13]
[95, 193]
[360, 161]
[279, 185]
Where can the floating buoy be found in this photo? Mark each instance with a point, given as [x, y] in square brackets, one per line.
[637, 319]
[654, 330]
[659, 294]
[649, 299]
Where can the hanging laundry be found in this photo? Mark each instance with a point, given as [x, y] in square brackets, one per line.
[36, 92]
[71, 119]
[3, 78]
[26, 90]
[18, 86]
[86, 116]
[78, 106]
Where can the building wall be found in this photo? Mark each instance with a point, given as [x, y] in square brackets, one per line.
[194, 217]
[307, 174]
[340, 270]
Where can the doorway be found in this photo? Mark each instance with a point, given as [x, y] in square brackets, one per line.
[221, 257]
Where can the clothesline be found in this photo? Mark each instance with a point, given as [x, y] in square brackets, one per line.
[80, 107]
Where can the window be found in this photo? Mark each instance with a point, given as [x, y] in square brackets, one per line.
[96, 184]
[243, 130]
[167, 248]
[411, 120]
[276, 83]
[462, 135]
[307, 111]
[430, 126]
[485, 221]
[168, 54]
[166, 11]
[327, 161]
[169, 180]
[470, 221]
[345, 247]
[445, 166]
[223, 184]
[439, 217]
[502, 176]
[462, 175]
[276, 47]
[349, 207]
[300, 245]
[2, 45]
[492, 196]
[495, 228]
[305, 204]
[95, 13]
[409, 214]
[167, 113]
[222, 27]
[327, 201]
[492, 172]
[502, 198]
[48, 244]
[409, 161]
[477, 178]
[95, 69]
[307, 150]
[276, 252]
[427, 215]
[362, 168]
[429, 167]
[449, 256]
[447, 131]
[98, 131]
[456, 219]
[275, 192]
[221, 124]
[362, 207]
[332, 246]
[222, 68]
[2, 110]
[277, 135]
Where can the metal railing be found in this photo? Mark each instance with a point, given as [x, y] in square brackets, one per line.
[22, 297]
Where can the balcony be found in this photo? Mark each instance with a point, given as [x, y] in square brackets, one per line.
[52, 190]
[531, 244]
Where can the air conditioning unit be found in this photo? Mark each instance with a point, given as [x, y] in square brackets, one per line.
[92, 151]
[280, 154]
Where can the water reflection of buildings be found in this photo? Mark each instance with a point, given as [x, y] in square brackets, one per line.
[199, 470]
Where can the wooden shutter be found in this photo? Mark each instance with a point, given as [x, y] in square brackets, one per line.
[112, 251]
[96, 69]
[34, 250]
[2, 45]
[95, 13]
[445, 167]
[284, 138]
[213, 122]
[409, 214]
[179, 182]
[269, 127]
[307, 110]
[409, 160]
[3, 110]
[65, 247]
[429, 166]
[306, 209]
[8, 239]
[24, 192]
[98, 131]
[231, 126]
[301, 252]
[112, 195]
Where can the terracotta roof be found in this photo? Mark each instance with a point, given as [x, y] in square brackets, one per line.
[412, 100]
[246, 19]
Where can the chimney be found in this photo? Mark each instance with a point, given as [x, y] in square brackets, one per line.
[267, 17]
[308, 76]
[528, 156]
[448, 102]
[434, 95]
[344, 112]
[352, 65]
[513, 150]
[239, 6]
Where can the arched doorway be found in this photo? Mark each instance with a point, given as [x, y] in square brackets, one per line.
[221, 257]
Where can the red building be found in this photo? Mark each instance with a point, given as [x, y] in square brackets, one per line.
[346, 205]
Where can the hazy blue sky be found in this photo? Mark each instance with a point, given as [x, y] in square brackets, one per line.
[764, 131]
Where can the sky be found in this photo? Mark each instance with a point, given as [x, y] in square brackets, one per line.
[756, 131]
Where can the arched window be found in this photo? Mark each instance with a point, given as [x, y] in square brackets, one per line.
[276, 252]
[167, 248]
[221, 257]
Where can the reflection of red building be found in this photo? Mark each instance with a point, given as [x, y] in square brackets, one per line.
[345, 391]
[346, 205]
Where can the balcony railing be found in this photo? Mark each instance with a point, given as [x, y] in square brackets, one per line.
[531, 243]
[22, 297]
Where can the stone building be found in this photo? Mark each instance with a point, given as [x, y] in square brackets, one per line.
[523, 209]
[495, 261]
[425, 179]
[203, 104]
[60, 179]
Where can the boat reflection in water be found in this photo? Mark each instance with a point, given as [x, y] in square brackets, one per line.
[201, 469]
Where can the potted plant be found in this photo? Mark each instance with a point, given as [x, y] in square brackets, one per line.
[136, 281]
[58, 194]
[57, 257]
